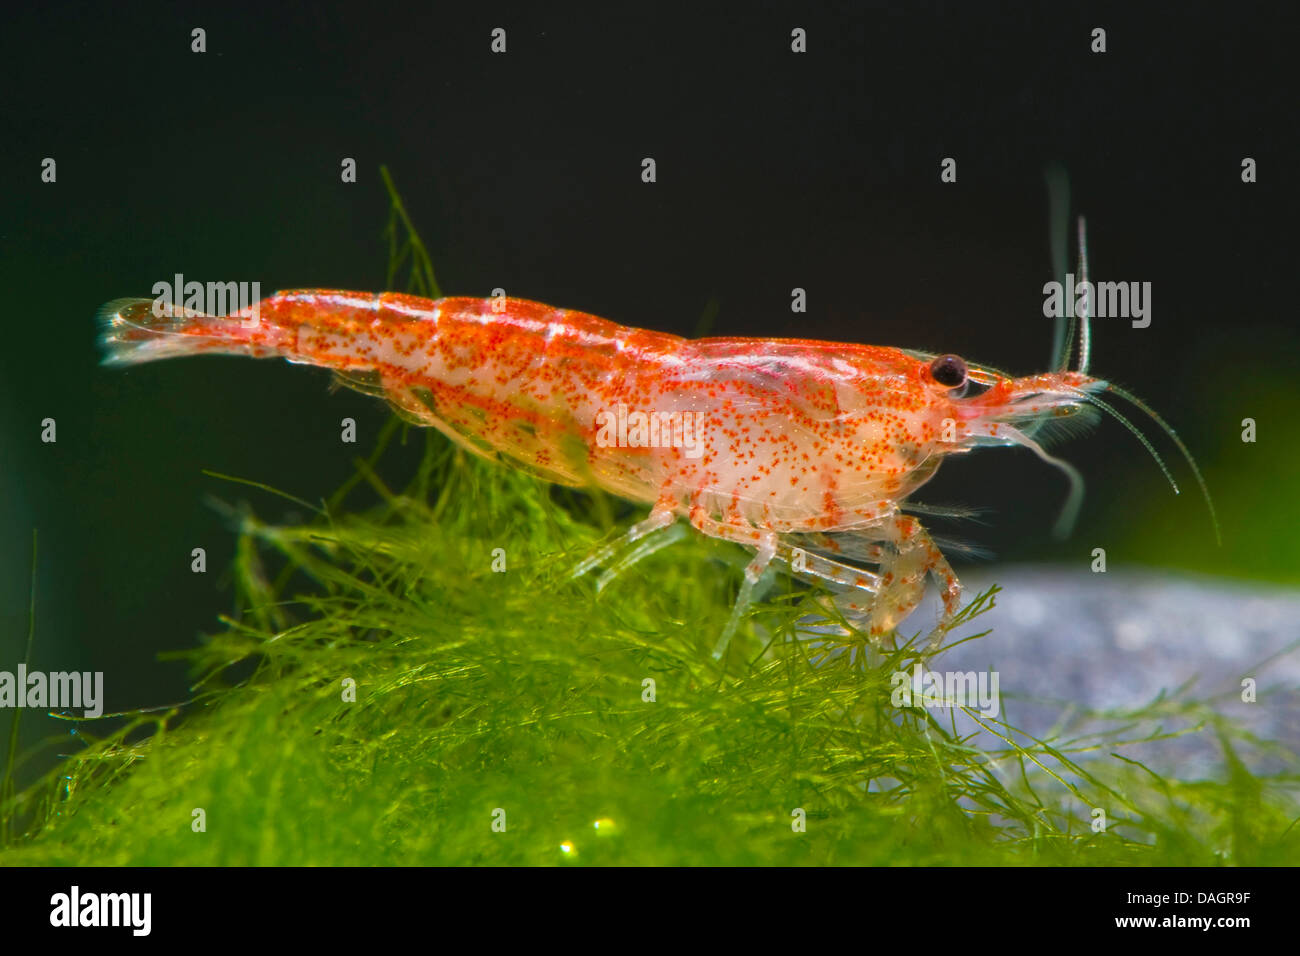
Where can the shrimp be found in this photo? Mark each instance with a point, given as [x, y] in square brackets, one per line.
[803, 451]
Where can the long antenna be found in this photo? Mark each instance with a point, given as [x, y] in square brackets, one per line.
[1058, 213]
[1085, 330]
[1173, 435]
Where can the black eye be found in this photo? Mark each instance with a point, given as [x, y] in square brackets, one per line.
[948, 370]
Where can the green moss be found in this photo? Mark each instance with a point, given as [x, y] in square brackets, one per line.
[524, 691]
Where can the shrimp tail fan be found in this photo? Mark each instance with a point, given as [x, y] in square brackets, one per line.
[132, 331]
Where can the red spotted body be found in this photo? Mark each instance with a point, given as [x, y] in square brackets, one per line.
[805, 451]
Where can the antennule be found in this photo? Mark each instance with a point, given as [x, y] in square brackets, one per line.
[1146, 442]
[1173, 436]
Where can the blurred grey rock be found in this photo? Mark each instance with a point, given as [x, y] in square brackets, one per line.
[1066, 642]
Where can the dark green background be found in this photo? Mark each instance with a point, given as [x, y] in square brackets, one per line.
[522, 171]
